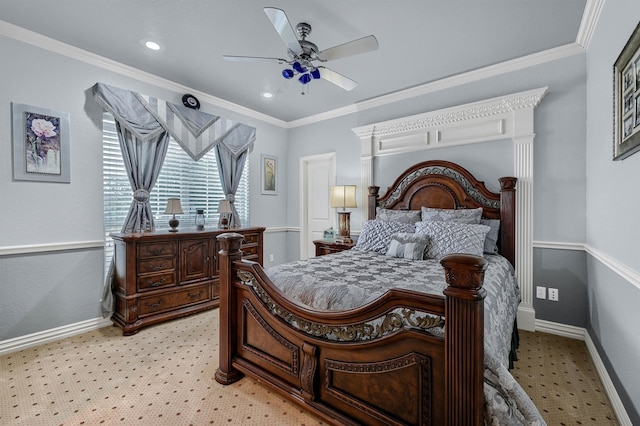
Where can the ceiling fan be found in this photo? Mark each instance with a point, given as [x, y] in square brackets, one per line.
[303, 53]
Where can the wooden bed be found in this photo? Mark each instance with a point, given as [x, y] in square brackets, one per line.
[405, 377]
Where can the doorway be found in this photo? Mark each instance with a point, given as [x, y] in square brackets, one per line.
[317, 176]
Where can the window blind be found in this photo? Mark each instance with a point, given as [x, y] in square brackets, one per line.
[196, 183]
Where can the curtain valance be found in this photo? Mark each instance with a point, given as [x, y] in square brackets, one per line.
[196, 131]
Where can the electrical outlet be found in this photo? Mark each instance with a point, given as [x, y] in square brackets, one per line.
[541, 292]
[553, 294]
[271, 258]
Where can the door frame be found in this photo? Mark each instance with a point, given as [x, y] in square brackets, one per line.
[304, 214]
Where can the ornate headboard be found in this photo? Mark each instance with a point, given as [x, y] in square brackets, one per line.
[446, 185]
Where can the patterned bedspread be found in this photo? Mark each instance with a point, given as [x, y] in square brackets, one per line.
[354, 278]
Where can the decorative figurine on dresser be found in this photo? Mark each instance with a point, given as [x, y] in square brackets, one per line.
[163, 275]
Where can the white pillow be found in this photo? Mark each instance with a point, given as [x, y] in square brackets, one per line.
[452, 237]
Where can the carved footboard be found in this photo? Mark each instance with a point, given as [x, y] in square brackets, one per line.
[379, 364]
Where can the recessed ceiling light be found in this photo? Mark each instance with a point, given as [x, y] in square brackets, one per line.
[152, 45]
[267, 95]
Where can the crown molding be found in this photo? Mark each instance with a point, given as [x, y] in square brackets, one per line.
[47, 43]
[476, 110]
[592, 11]
[589, 20]
[549, 55]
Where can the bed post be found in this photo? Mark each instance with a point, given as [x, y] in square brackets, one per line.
[229, 252]
[508, 218]
[373, 201]
[464, 339]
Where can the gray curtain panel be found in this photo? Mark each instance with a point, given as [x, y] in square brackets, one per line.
[145, 125]
[143, 142]
[231, 155]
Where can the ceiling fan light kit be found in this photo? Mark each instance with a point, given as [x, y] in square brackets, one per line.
[302, 53]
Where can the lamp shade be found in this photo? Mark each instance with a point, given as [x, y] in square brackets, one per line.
[224, 206]
[173, 206]
[343, 196]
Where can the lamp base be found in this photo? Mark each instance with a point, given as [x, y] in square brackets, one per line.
[344, 227]
[224, 223]
[173, 223]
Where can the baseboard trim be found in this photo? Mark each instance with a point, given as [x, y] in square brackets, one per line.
[46, 336]
[526, 318]
[580, 333]
[558, 329]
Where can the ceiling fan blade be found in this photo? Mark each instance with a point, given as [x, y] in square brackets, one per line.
[361, 45]
[254, 59]
[282, 25]
[337, 79]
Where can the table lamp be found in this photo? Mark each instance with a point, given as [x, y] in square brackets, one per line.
[174, 208]
[344, 196]
[224, 208]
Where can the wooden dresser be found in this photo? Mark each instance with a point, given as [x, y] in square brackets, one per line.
[163, 275]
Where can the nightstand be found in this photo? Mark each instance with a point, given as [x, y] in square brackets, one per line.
[327, 247]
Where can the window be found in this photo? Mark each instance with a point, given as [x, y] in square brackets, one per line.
[196, 183]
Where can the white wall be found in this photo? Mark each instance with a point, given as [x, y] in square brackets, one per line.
[613, 202]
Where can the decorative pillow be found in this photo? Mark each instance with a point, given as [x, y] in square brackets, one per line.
[452, 237]
[452, 215]
[408, 246]
[404, 216]
[376, 234]
[491, 241]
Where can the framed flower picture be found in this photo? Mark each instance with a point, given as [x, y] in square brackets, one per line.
[626, 103]
[269, 175]
[40, 144]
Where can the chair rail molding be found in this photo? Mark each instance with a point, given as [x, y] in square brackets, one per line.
[508, 117]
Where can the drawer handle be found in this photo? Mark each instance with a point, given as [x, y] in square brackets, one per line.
[154, 305]
[156, 283]
[155, 252]
[194, 296]
[157, 268]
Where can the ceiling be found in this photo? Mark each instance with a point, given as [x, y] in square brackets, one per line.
[420, 41]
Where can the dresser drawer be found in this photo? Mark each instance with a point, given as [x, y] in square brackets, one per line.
[153, 281]
[250, 239]
[156, 264]
[156, 249]
[249, 251]
[179, 299]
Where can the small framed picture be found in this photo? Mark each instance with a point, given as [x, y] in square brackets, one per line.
[269, 175]
[329, 235]
[40, 144]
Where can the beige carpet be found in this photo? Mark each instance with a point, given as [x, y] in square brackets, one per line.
[559, 376]
[164, 376]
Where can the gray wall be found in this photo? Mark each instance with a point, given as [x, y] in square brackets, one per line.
[612, 219]
[47, 289]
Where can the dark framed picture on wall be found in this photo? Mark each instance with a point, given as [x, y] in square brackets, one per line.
[626, 99]
[40, 144]
[269, 175]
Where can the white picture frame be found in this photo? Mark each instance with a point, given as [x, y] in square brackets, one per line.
[40, 144]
